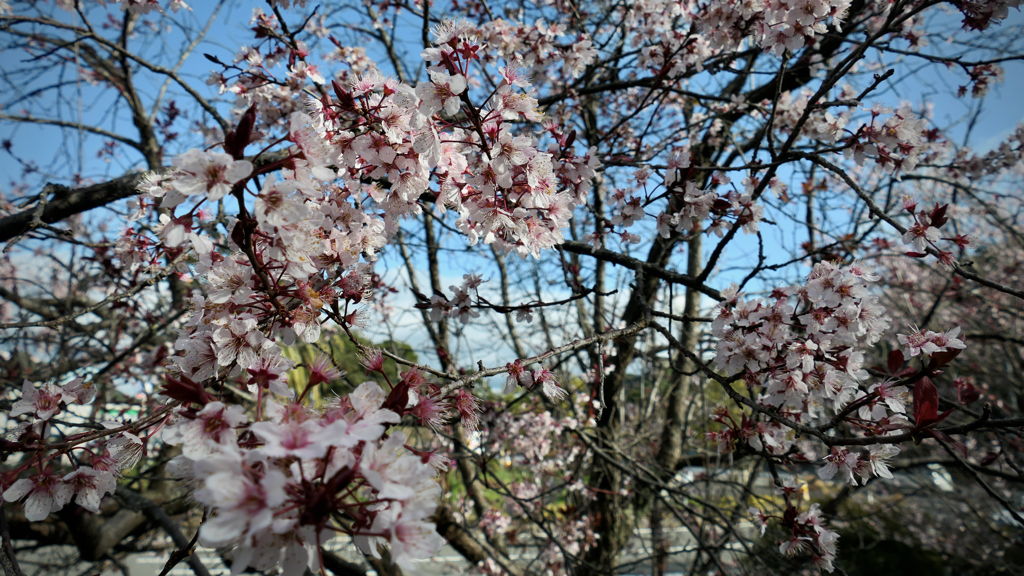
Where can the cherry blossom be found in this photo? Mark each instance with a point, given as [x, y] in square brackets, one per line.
[89, 486]
[46, 493]
[442, 92]
[42, 402]
[208, 432]
[486, 147]
[209, 173]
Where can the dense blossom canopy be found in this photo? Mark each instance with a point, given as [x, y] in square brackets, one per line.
[573, 152]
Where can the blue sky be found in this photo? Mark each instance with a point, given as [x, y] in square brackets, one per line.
[1002, 111]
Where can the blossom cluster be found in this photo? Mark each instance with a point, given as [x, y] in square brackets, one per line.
[799, 352]
[131, 6]
[543, 48]
[980, 14]
[808, 533]
[306, 247]
[923, 235]
[309, 241]
[273, 486]
[897, 144]
[519, 375]
[802, 358]
[799, 347]
[897, 140]
[1007, 155]
[542, 444]
[778, 25]
[460, 305]
[688, 206]
[94, 468]
[930, 342]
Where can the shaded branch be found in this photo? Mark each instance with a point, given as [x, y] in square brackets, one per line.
[632, 263]
[152, 511]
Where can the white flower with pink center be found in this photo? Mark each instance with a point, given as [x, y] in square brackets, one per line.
[846, 463]
[878, 458]
[89, 485]
[176, 231]
[43, 402]
[79, 392]
[395, 472]
[895, 397]
[239, 341]
[409, 532]
[921, 236]
[304, 439]
[209, 173]
[442, 92]
[208, 432]
[240, 504]
[46, 493]
[269, 372]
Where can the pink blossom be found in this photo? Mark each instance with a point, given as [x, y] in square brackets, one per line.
[268, 372]
[878, 458]
[441, 92]
[322, 369]
[46, 493]
[89, 486]
[206, 433]
[241, 504]
[79, 392]
[846, 463]
[43, 402]
[517, 375]
[209, 173]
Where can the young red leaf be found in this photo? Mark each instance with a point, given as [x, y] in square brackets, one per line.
[905, 372]
[236, 140]
[895, 360]
[345, 99]
[186, 391]
[946, 438]
[926, 402]
[398, 399]
[940, 359]
[988, 459]
[968, 393]
[238, 233]
[938, 215]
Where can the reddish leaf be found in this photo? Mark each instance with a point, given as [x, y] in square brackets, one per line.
[938, 215]
[915, 254]
[236, 140]
[186, 391]
[926, 403]
[988, 459]
[344, 96]
[238, 233]
[398, 399]
[968, 393]
[940, 359]
[946, 438]
[895, 361]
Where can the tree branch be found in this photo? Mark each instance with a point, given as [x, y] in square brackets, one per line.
[158, 516]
